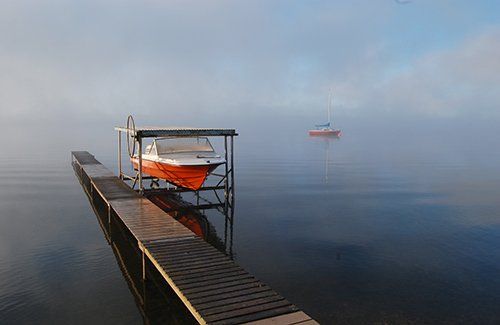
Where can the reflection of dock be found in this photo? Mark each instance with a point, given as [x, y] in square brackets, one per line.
[156, 301]
[210, 285]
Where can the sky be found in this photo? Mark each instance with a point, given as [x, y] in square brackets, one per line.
[197, 62]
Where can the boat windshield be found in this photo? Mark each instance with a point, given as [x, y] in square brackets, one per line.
[180, 145]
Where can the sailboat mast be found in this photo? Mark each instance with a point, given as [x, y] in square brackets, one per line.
[330, 97]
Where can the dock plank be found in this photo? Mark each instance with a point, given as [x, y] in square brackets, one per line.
[245, 311]
[237, 305]
[262, 315]
[243, 298]
[292, 318]
[234, 294]
[84, 158]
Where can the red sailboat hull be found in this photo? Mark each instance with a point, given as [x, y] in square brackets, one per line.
[336, 133]
[187, 176]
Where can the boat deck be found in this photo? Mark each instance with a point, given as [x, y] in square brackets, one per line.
[211, 285]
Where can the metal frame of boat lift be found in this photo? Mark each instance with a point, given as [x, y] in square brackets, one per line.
[138, 134]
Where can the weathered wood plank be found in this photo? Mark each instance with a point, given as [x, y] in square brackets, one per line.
[97, 171]
[251, 310]
[84, 158]
[292, 318]
[183, 258]
[186, 253]
[202, 271]
[215, 276]
[201, 261]
[243, 298]
[255, 316]
[309, 322]
[184, 248]
[172, 246]
[205, 283]
[175, 270]
[207, 273]
[238, 305]
[220, 285]
[220, 291]
[233, 294]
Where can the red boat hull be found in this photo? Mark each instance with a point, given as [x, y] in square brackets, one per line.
[190, 177]
[336, 133]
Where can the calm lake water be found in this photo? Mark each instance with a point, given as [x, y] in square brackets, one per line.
[398, 228]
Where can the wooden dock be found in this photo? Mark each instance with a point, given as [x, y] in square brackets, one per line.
[212, 286]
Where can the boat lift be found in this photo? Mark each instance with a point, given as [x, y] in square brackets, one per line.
[134, 139]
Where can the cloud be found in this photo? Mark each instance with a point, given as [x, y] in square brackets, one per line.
[458, 81]
[120, 56]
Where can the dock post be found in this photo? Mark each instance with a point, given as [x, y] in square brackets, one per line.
[141, 189]
[226, 180]
[143, 263]
[109, 223]
[231, 213]
[232, 169]
[120, 174]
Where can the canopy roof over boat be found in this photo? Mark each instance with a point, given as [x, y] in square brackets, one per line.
[156, 132]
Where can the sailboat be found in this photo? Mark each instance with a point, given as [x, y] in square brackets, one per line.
[326, 129]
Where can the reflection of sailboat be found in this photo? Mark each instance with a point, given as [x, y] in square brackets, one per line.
[327, 142]
[326, 129]
[327, 160]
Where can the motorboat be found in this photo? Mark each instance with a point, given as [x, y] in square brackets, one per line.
[182, 161]
[326, 129]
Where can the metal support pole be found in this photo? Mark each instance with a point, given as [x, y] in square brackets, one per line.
[141, 189]
[225, 232]
[144, 291]
[232, 169]
[120, 154]
[109, 214]
[231, 227]
[109, 223]
[226, 180]
[143, 264]
[231, 212]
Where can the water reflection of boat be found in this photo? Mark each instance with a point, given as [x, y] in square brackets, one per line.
[327, 142]
[187, 214]
[185, 162]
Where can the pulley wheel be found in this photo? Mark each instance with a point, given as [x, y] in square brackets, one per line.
[131, 139]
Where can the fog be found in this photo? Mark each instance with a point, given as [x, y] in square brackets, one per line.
[72, 69]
